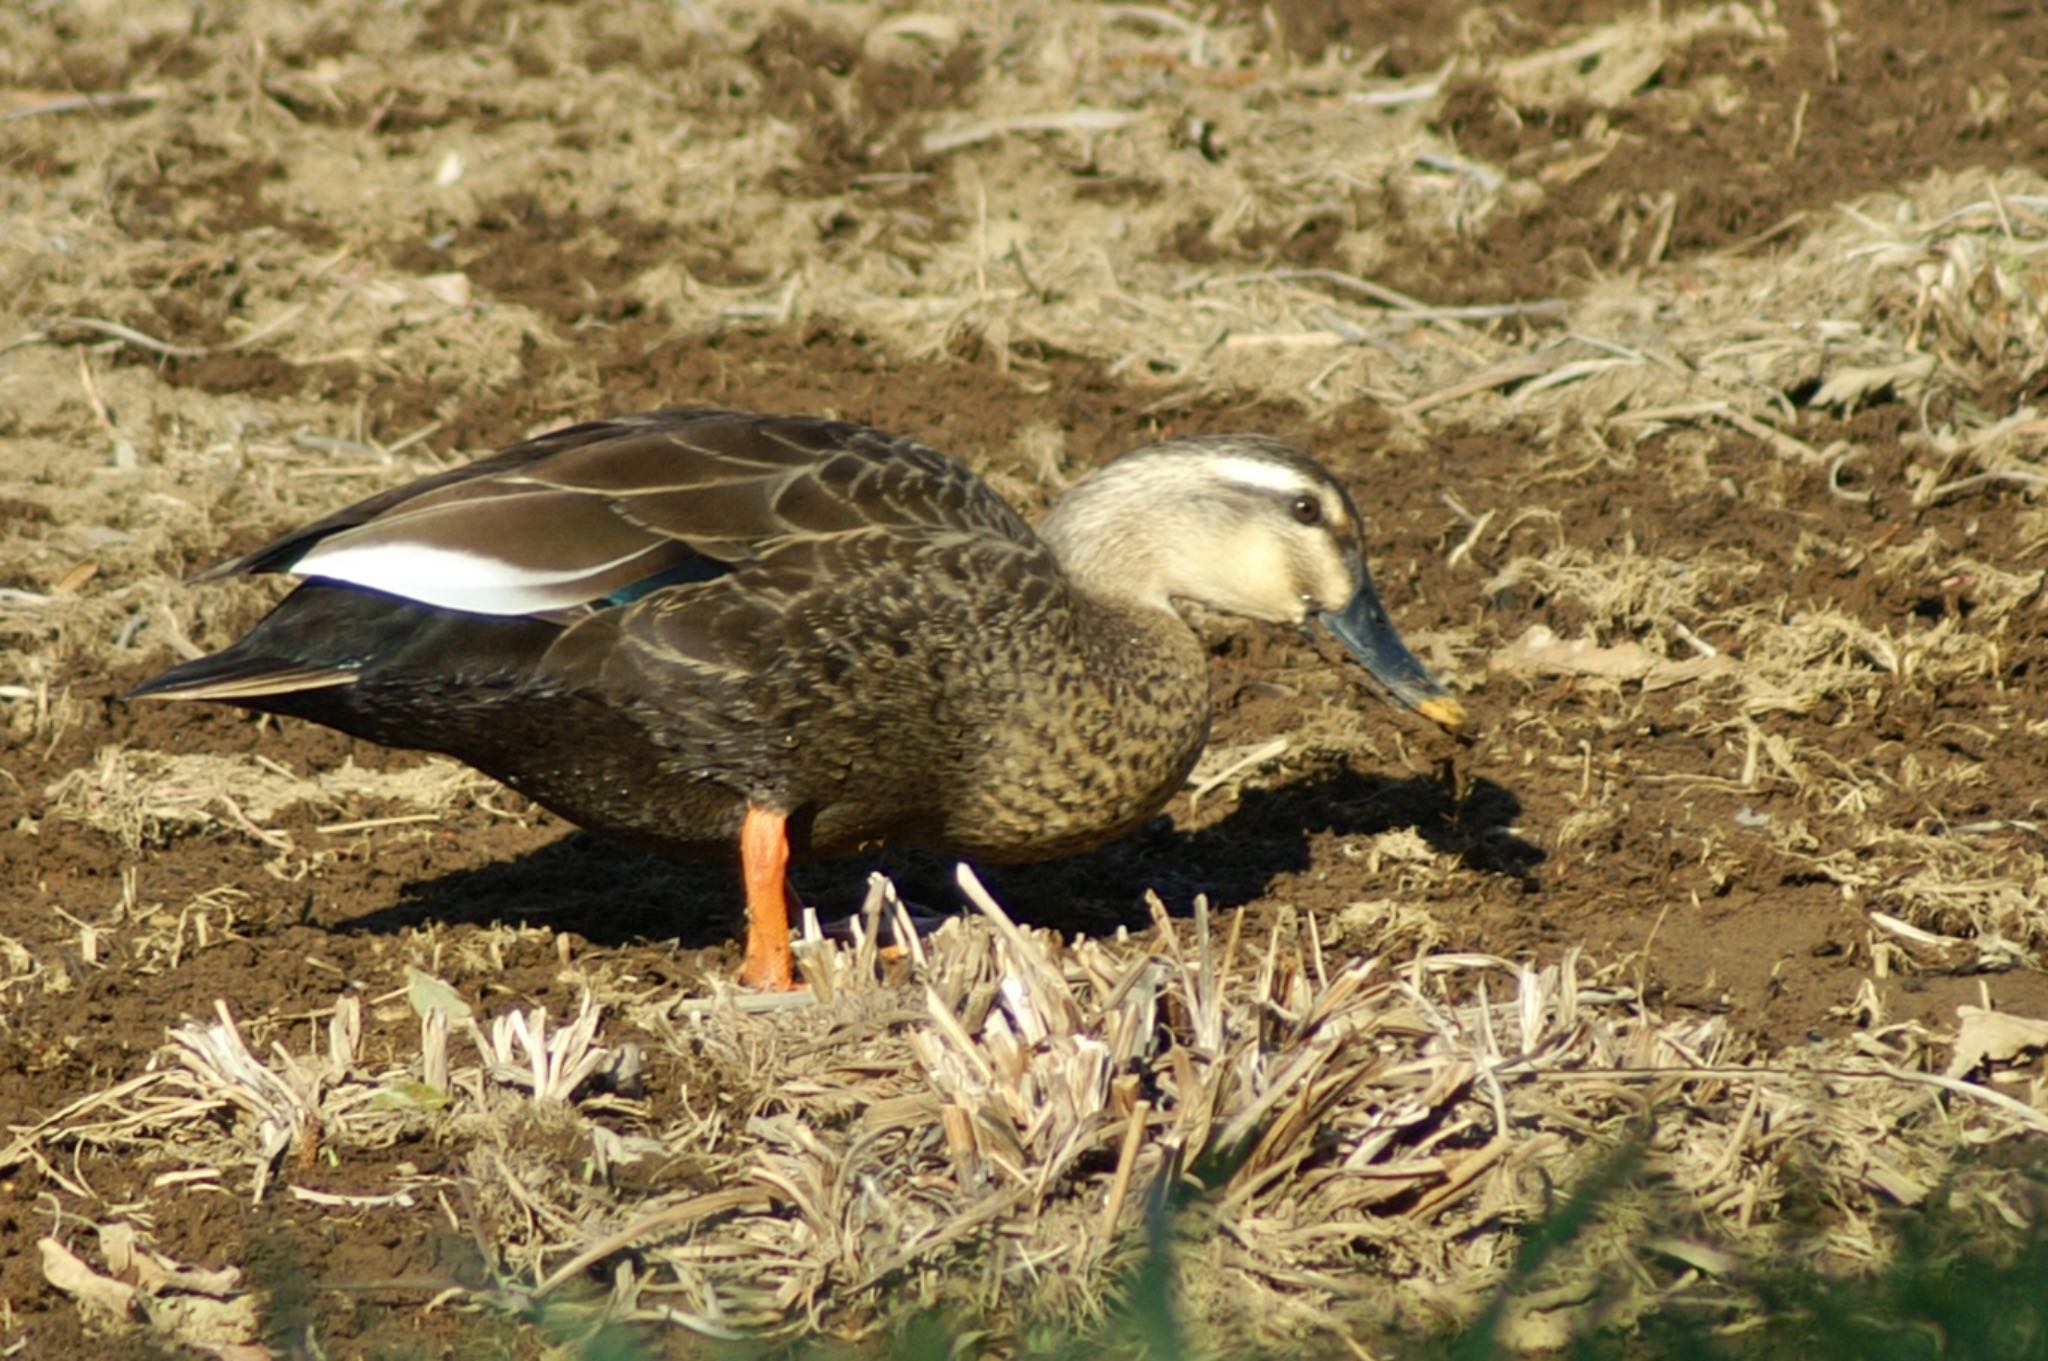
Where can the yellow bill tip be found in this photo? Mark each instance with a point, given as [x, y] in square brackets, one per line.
[1445, 712]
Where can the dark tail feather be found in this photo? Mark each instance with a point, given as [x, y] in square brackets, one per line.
[371, 665]
[233, 676]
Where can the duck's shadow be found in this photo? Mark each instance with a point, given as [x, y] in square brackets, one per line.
[613, 896]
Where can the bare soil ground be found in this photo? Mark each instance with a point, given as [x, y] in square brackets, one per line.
[1688, 360]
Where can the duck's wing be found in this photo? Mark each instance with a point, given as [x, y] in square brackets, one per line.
[607, 511]
[835, 644]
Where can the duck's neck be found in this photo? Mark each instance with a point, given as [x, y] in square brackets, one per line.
[1112, 547]
[1108, 720]
[1148, 671]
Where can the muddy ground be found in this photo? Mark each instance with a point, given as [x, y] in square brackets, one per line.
[324, 248]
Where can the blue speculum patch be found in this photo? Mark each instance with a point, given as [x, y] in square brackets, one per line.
[696, 569]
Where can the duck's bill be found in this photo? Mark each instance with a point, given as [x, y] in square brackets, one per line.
[1367, 633]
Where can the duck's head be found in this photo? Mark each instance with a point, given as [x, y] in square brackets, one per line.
[1246, 525]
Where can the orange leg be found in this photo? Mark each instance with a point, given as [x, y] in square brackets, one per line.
[764, 864]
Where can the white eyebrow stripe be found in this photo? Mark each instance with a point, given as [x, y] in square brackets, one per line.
[1257, 472]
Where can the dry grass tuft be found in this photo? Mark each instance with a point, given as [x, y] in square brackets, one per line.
[1018, 1102]
[144, 798]
[208, 1311]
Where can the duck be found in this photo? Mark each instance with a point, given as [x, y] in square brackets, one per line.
[699, 631]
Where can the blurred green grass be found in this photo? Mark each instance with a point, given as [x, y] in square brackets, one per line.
[1960, 1284]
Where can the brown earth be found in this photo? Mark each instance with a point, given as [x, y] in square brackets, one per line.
[1622, 821]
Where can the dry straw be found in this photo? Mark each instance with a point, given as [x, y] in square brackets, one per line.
[1016, 1101]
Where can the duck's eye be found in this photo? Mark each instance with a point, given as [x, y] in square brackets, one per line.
[1307, 510]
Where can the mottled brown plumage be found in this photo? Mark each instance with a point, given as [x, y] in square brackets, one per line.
[681, 627]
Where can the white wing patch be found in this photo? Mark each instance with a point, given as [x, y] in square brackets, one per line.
[452, 580]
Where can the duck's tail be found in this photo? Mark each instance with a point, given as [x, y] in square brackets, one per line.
[327, 644]
[238, 676]
[376, 666]
[314, 640]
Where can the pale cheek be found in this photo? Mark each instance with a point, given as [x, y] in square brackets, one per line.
[1338, 588]
[1261, 576]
